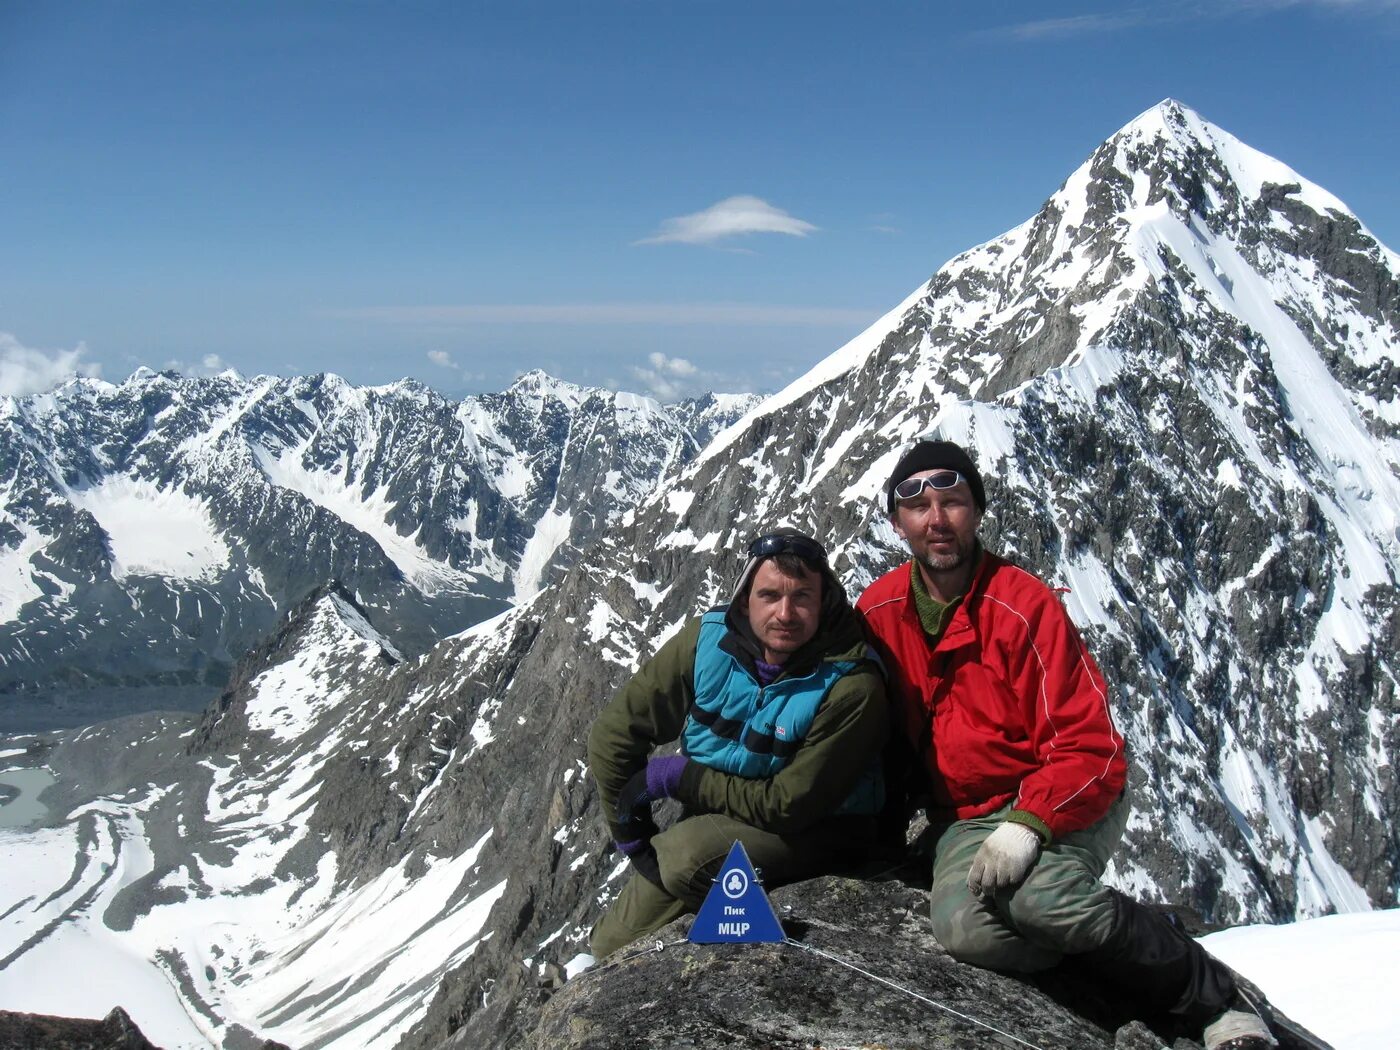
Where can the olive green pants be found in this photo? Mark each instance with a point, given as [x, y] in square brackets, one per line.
[690, 854]
[1060, 908]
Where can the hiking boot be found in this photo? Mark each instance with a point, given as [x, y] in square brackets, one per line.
[1238, 1030]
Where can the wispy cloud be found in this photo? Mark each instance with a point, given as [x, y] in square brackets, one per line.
[208, 365]
[731, 217]
[463, 315]
[442, 359]
[1083, 25]
[668, 378]
[1169, 13]
[25, 371]
[883, 222]
[1371, 6]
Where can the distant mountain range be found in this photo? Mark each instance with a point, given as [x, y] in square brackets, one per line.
[151, 532]
[1178, 378]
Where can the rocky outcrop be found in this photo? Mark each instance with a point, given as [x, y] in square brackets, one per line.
[116, 1031]
[860, 968]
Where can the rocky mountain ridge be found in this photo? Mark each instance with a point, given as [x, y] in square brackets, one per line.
[151, 531]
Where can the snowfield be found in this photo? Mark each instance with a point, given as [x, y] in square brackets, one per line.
[1335, 975]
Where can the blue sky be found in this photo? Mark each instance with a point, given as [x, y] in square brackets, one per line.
[460, 192]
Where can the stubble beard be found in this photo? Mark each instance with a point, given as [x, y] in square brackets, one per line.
[949, 562]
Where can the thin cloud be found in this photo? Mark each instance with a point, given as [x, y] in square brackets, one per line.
[451, 316]
[1367, 6]
[1168, 13]
[1082, 25]
[25, 371]
[443, 359]
[731, 217]
[668, 378]
[208, 366]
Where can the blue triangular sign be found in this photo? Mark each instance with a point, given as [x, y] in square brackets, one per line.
[737, 910]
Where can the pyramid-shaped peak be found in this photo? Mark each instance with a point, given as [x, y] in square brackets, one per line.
[537, 383]
[1168, 118]
[536, 380]
[1172, 141]
[1171, 157]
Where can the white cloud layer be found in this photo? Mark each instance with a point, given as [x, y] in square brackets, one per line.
[611, 313]
[25, 371]
[731, 217]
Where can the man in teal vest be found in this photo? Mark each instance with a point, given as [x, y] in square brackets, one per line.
[780, 713]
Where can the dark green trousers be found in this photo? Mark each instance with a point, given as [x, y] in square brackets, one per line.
[690, 854]
[1060, 908]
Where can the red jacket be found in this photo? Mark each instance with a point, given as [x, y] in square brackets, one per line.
[1008, 705]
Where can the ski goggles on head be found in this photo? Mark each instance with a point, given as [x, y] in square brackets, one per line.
[808, 550]
[942, 480]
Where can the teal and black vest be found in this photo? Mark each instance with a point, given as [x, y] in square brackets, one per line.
[738, 726]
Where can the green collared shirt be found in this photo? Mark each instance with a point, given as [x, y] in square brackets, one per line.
[933, 614]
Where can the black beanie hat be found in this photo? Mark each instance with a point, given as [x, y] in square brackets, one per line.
[937, 455]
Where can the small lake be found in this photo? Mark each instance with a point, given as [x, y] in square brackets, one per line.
[23, 809]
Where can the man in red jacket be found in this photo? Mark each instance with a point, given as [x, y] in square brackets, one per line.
[1012, 722]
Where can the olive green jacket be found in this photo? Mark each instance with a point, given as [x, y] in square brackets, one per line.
[845, 738]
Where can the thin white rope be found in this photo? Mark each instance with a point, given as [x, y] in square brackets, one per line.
[913, 994]
[660, 946]
[651, 948]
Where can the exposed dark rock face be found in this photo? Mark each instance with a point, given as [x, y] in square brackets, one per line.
[116, 1031]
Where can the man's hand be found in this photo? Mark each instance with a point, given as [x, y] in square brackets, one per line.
[1004, 859]
[643, 858]
[661, 778]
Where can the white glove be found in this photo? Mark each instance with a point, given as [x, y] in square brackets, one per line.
[1005, 857]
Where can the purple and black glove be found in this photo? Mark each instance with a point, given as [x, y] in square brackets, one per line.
[643, 858]
[660, 779]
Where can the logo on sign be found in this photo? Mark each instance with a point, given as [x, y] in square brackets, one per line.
[735, 883]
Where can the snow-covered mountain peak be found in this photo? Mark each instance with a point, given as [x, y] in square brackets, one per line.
[195, 510]
[337, 620]
[307, 663]
[539, 383]
[1172, 134]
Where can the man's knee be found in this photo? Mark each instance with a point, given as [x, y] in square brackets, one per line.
[1071, 912]
[961, 931]
[690, 855]
[971, 932]
[688, 880]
